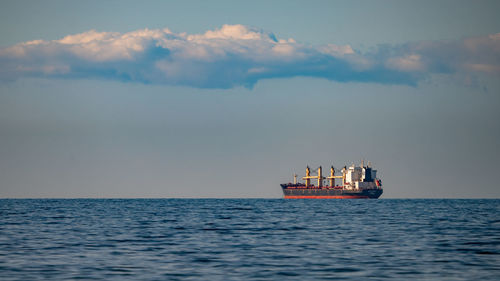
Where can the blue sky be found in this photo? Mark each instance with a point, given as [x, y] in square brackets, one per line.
[229, 98]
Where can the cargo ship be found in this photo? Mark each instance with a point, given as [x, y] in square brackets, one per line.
[357, 182]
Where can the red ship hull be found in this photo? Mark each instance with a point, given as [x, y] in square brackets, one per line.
[294, 191]
[325, 197]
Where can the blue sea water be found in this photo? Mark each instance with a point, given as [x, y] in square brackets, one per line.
[249, 239]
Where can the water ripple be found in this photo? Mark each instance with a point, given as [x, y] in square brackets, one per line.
[254, 239]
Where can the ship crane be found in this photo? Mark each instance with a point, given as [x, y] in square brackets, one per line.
[308, 177]
[320, 177]
[332, 177]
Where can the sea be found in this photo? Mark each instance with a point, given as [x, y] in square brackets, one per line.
[249, 239]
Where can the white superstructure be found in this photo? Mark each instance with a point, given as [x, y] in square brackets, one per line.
[361, 177]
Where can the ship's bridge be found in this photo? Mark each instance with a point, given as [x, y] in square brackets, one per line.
[360, 174]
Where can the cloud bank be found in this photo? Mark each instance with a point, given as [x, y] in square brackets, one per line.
[237, 55]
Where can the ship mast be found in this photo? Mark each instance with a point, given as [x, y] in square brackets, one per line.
[331, 177]
[320, 177]
[308, 176]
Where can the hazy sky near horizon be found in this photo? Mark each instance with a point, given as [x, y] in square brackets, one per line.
[230, 98]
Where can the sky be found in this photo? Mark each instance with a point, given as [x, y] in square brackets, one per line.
[227, 99]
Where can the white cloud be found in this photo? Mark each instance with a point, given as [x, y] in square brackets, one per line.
[407, 63]
[87, 37]
[236, 55]
[284, 49]
[238, 31]
[336, 50]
